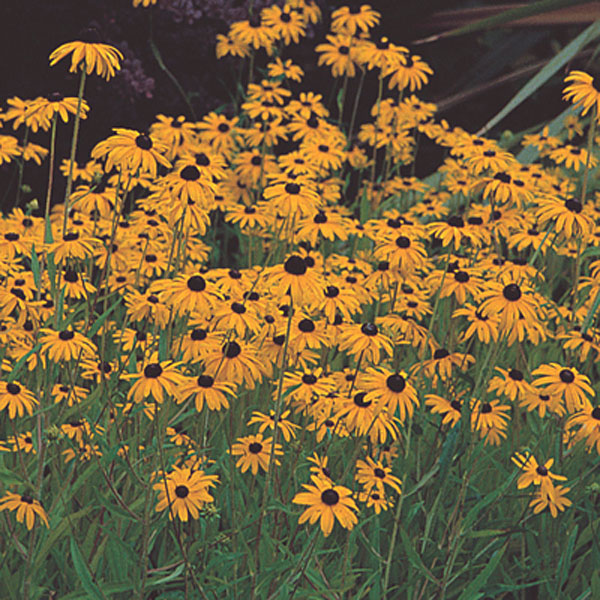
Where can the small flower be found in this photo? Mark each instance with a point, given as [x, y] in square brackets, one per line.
[255, 452]
[327, 502]
[581, 92]
[184, 492]
[26, 506]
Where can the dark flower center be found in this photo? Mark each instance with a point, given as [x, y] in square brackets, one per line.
[456, 221]
[541, 470]
[331, 291]
[71, 276]
[379, 473]
[396, 383]
[515, 375]
[512, 292]
[402, 242]
[596, 413]
[475, 221]
[306, 326]
[255, 447]
[456, 405]
[223, 127]
[384, 265]
[295, 265]
[152, 371]
[503, 177]
[309, 379]
[344, 50]
[320, 218]
[190, 173]
[566, 376]
[369, 329]
[202, 160]
[71, 236]
[11, 237]
[574, 205]
[461, 276]
[182, 491]
[27, 499]
[292, 188]
[440, 353]
[238, 308]
[13, 388]
[143, 141]
[205, 381]
[330, 497]
[65, 336]
[198, 335]
[196, 283]
[279, 339]
[359, 400]
[232, 349]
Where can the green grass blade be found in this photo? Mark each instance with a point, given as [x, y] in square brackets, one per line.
[553, 66]
[513, 14]
[83, 572]
[473, 588]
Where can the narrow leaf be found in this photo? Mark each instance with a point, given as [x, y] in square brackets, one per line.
[556, 63]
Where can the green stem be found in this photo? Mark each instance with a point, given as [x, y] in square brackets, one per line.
[74, 148]
[48, 230]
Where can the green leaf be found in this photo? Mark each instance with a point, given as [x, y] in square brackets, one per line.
[35, 267]
[414, 558]
[15, 370]
[513, 14]
[83, 572]
[100, 320]
[473, 588]
[553, 66]
[564, 563]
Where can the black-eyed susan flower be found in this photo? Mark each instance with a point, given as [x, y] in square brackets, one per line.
[184, 492]
[509, 301]
[443, 362]
[350, 19]
[567, 215]
[327, 502]
[588, 421]
[556, 502]
[542, 401]
[132, 151]
[72, 244]
[365, 340]
[17, 399]
[374, 499]
[204, 389]
[264, 422]
[581, 92]
[284, 69]
[65, 345]
[340, 53]
[536, 473]
[188, 294]
[573, 157]
[412, 73]
[450, 409]
[26, 507]
[391, 389]
[295, 278]
[485, 327]
[255, 452]
[490, 420]
[567, 382]
[510, 383]
[157, 379]
[90, 56]
[374, 475]
[237, 362]
[287, 24]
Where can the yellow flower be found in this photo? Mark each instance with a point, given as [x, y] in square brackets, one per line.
[89, 55]
[581, 91]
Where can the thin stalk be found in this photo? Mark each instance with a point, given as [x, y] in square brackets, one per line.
[74, 147]
[50, 179]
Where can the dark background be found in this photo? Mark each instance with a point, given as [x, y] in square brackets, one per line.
[184, 31]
